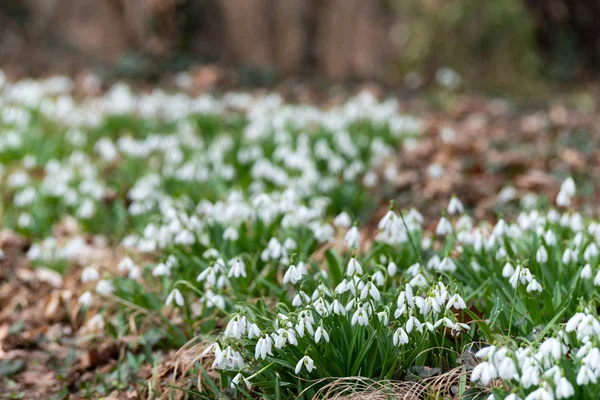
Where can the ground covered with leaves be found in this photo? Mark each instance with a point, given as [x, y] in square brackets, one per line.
[159, 244]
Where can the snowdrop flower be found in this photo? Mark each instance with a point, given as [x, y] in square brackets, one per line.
[342, 220]
[568, 187]
[104, 287]
[86, 299]
[231, 234]
[360, 316]
[534, 286]
[370, 289]
[484, 372]
[209, 275]
[568, 256]
[562, 199]
[392, 268]
[541, 255]
[447, 265]
[237, 268]
[176, 296]
[585, 376]
[89, 274]
[564, 389]
[263, 347]
[591, 252]
[586, 272]
[508, 270]
[597, 279]
[400, 337]
[284, 336]
[352, 238]
[444, 227]
[337, 308]
[354, 267]
[320, 332]
[540, 394]
[456, 302]
[455, 206]
[293, 275]
[236, 381]
[135, 273]
[307, 362]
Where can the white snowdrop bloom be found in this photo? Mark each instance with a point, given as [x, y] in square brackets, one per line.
[161, 269]
[568, 256]
[236, 381]
[210, 253]
[237, 268]
[89, 274]
[597, 279]
[104, 287]
[209, 276]
[456, 302]
[354, 267]
[176, 296]
[563, 199]
[508, 193]
[455, 206]
[591, 252]
[125, 264]
[586, 272]
[231, 234]
[501, 253]
[86, 299]
[342, 220]
[284, 336]
[236, 327]
[530, 374]
[512, 396]
[550, 238]
[392, 268]
[264, 346]
[534, 286]
[447, 265]
[506, 367]
[370, 179]
[484, 372]
[337, 308]
[370, 289]
[400, 337]
[87, 209]
[360, 316]
[25, 220]
[541, 255]
[540, 394]
[508, 270]
[321, 333]
[253, 331]
[413, 323]
[293, 275]
[352, 238]
[135, 273]
[568, 187]
[307, 362]
[444, 227]
[585, 376]
[564, 389]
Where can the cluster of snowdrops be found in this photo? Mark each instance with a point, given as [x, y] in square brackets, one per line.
[240, 217]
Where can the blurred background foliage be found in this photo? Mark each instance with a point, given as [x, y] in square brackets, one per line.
[513, 46]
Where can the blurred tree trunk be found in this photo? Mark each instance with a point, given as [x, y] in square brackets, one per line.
[568, 26]
[336, 38]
